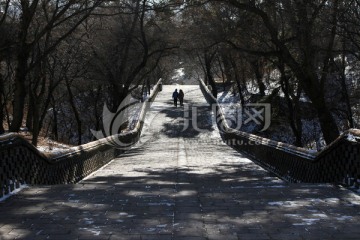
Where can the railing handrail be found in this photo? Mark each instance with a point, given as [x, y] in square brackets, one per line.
[296, 163]
[8, 137]
[24, 163]
[311, 154]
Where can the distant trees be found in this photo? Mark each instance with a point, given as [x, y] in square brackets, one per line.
[57, 52]
[54, 54]
[349, 44]
[300, 39]
[293, 31]
[129, 47]
[42, 26]
[7, 42]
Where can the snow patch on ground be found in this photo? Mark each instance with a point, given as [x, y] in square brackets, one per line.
[54, 150]
[16, 191]
[351, 138]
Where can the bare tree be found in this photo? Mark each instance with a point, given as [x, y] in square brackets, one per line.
[62, 17]
[138, 43]
[298, 47]
[6, 43]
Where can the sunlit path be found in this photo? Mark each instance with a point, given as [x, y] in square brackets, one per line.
[181, 183]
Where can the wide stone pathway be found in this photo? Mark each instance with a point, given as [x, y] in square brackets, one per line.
[181, 182]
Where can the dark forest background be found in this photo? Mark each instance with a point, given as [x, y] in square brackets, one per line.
[61, 60]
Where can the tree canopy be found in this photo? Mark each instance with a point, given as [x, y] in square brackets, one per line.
[57, 52]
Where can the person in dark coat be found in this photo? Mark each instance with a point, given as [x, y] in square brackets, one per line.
[175, 97]
[181, 97]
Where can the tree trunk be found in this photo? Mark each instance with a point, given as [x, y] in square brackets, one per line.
[345, 92]
[258, 75]
[294, 113]
[2, 103]
[243, 78]
[222, 73]
[30, 113]
[39, 105]
[148, 86]
[76, 113]
[305, 70]
[328, 125]
[238, 83]
[143, 91]
[115, 98]
[227, 67]
[35, 123]
[22, 64]
[312, 88]
[54, 120]
[96, 113]
[19, 91]
[208, 73]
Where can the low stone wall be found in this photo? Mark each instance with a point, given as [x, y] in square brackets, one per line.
[21, 162]
[337, 163]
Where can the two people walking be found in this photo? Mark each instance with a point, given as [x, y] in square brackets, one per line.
[178, 96]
